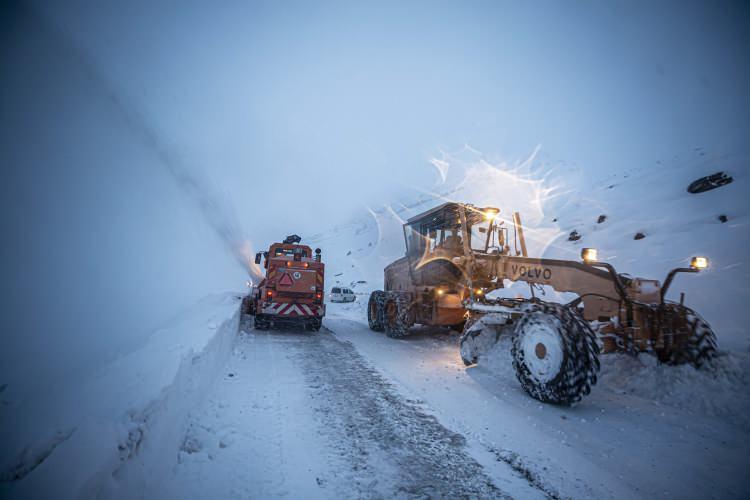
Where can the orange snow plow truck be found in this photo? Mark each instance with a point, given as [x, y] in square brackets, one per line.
[291, 294]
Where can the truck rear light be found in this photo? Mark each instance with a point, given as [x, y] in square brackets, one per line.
[318, 295]
[307, 265]
[269, 293]
[288, 263]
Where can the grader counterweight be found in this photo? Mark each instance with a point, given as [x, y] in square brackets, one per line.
[459, 258]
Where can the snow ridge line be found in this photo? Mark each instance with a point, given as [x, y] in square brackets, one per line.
[514, 461]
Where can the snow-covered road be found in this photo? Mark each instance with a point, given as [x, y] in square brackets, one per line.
[304, 415]
[348, 412]
[622, 441]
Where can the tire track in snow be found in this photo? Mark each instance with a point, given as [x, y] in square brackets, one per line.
[304, 415]
[394, 448]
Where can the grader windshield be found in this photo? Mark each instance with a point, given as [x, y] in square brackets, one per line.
[441, 234]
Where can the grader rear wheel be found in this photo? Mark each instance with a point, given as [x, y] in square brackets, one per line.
[396, 317]
[375, 311]
[555, 354]
[688, 339]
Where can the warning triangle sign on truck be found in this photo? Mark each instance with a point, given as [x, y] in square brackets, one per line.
[286, 280]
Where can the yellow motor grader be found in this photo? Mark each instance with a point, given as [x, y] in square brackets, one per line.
[459, 258]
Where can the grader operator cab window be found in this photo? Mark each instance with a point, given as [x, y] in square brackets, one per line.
[429, 239]
[414, 241]
[446, 239]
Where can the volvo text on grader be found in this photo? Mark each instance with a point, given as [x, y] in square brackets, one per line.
[457, 254]
[291, 294]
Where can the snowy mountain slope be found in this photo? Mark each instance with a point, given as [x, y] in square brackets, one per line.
[676, 225]
[556, 200]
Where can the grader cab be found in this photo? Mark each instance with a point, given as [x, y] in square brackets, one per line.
[459, 257]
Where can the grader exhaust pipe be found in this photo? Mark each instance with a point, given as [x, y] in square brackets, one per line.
[518, 228]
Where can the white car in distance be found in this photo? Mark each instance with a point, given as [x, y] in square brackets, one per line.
[339, 294]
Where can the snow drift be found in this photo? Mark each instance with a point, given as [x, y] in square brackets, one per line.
[115, 435]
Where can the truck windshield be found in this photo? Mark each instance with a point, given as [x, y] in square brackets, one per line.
[291, 252]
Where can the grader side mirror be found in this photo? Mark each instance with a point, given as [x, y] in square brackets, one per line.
[258, 257]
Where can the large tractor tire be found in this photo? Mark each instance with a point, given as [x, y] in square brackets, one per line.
[688, 338]
[375, 311]
[555, 353]
[397, 318]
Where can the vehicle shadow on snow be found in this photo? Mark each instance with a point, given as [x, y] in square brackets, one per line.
[246, 326]
[439, 334]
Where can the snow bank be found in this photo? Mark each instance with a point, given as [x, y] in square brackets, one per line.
[718, 390]
[115, 433]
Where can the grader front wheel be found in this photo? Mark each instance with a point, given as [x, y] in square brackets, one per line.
[555, 354]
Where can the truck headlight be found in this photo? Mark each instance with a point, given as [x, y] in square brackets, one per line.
[589, 255]
[699, 262]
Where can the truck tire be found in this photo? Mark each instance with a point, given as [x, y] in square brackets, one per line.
[261, 323]
[397, 316]
[375, 311]
[688, 338]
[555, 353]
[248, 306]
[313, 325]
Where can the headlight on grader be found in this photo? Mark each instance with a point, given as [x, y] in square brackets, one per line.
[491, 213]
[699, 263]
[589, 255]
